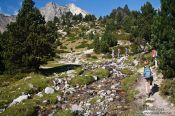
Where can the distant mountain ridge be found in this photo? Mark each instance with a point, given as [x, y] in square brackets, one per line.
[49, 11]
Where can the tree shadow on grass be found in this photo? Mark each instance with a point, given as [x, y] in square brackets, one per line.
[58, 69]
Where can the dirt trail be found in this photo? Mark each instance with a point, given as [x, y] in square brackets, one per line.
[156, 105]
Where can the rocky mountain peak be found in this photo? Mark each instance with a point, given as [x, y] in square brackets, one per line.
[76, 10]
[51, 10]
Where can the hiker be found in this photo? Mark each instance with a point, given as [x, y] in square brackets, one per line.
[147, 75]
[154, 56]
[126, 51]
[113, 54]
[119, 53]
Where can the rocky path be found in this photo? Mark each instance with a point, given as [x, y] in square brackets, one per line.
[102, 97]
[156, 105]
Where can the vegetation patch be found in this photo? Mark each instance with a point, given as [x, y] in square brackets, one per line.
[82, 80]
[126, 71]
[30, 85]
[101, 73]
[128, 86]
[94, 99]
[79, 70]
[27, 108]
[168, 88]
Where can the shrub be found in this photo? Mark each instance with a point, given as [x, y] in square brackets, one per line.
[82, 80]
[168, 88]
[135, 48]
[101, 73]
[127, 71]
[107, 56]
[79, 70]
[63, 47]
[94, 57]
[127, 85]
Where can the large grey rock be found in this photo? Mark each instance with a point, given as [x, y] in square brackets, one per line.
[19, 99]
[49, 90]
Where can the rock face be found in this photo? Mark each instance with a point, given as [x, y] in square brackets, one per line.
[51, 10]
[4, 20]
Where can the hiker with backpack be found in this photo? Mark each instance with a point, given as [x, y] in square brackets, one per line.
[148, 76]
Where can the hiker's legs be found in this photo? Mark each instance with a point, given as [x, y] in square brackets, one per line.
[147, 86]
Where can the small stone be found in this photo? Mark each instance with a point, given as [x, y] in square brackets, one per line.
[119, 107]
[110, 99]
[49, 90]
[112, 95]
[117, 97]
[57, 88]
[75, 107]
[149, 104]
[150, 99]
[95, 78]
[45, 101]
[99, 86]
[39, 94]
[172, 104]
[59, 98]
[108, 92]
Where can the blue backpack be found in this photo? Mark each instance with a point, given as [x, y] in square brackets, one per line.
[147, 72]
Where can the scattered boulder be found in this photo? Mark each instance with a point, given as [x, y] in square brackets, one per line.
[19, 99]
[49, 90]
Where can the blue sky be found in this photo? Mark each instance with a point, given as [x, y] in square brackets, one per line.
[96, 7]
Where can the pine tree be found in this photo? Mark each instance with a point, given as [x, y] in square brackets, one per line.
[163, 33]
[146, 20]
[1, 60]
[96, 45]
[29, 42]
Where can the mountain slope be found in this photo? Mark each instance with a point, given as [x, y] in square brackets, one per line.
[4, 20]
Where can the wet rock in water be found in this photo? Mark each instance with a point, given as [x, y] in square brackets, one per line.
[49, 90]
[19, 99]
[39, 94]
[76, 108]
